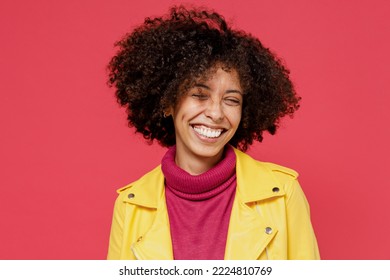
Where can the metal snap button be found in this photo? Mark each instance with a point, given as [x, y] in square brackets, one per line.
[268, 230]
[131, 195]
[276, 189]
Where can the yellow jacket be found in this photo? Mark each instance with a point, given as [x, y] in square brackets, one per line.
[270, 217]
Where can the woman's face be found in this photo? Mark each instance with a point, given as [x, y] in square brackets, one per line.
[207, 116]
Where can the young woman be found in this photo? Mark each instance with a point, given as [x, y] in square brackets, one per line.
[206, 92]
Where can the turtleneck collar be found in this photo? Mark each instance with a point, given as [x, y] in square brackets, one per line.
[203, 186]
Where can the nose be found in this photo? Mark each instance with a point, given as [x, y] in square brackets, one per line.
[214, 111]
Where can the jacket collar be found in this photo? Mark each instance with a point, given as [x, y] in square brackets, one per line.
[149, 189]
[251, 172]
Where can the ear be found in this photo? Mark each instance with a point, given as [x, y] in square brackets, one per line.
[168, 112]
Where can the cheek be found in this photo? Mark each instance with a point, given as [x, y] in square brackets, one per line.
[183, 117]
[191, 112]
[235, 117]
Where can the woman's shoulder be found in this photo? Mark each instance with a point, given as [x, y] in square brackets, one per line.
[145, 191]
[264, 179]
[249, 162]
[152, 175]
[281, 170]
[287, 177]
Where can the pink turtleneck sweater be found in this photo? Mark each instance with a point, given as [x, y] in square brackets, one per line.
[199, 207]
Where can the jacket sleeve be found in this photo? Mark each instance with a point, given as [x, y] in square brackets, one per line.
[116, 235]
[302, 243]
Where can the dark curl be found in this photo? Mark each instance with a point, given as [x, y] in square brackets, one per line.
[161, 59]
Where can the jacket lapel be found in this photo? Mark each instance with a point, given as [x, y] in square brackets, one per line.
[156, 244]
[149, 192]
[250, 232]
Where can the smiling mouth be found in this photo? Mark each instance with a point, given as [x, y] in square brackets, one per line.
[207, 131]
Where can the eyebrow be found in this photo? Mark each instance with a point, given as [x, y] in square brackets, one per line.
[228, 91]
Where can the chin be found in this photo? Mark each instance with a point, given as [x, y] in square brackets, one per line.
[208, 152]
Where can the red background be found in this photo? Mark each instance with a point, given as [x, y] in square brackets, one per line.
[65, 145]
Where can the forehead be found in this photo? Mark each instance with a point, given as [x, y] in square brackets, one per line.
[217, 71]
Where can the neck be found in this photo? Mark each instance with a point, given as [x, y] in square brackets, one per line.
[196, 165]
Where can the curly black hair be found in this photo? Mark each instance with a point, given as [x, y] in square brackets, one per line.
[165, 55]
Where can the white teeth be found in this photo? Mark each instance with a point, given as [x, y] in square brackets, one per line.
[208, 132]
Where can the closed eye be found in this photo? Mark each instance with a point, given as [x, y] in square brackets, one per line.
[232, 101]
[200, 96]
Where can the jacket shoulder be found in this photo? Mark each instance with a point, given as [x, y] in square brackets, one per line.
[145, 191]
[249, 167]
[148, 176]
[281, 170]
